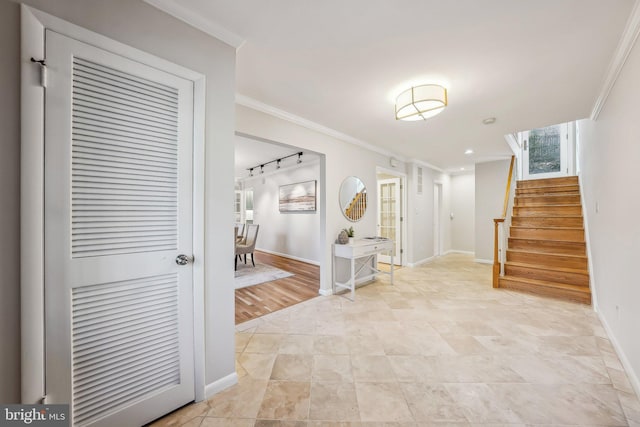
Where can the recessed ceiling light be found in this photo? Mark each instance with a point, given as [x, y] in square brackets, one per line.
[489, 121]
[469, 151]
[461, 169]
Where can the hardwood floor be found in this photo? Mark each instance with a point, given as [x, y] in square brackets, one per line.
[258, 300]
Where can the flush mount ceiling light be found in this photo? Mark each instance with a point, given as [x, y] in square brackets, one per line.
[468, 151]
[421, 102]
[489, 121]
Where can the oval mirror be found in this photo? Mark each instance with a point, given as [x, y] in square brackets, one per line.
[353, 198]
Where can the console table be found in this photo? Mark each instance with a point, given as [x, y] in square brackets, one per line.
[365, 250]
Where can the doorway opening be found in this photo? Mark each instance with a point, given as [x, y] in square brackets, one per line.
[548, 152]
[287, 261]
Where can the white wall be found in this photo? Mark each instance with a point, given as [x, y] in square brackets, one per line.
[295, 234]
[608, 158]
[491, 181]
[341, 160]
[144, 27]
[420, 214]
[463, 189]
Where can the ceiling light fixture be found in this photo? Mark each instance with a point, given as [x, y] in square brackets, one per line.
[489, 121]
[469, 151]
[276, 161]
[421, 102]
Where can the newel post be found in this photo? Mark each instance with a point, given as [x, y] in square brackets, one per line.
[496, 261]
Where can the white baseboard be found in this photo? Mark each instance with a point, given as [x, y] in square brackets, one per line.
[221, 384]
[293, 257]
[455, 251]
[631, 374]
[483, 261]
[325, 292]
[422, 261]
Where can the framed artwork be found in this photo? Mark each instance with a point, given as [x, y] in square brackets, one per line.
[298, 197]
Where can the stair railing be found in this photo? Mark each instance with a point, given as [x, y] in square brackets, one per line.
[358, 206]
[499, 230]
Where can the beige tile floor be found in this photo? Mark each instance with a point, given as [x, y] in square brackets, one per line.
[440, 347]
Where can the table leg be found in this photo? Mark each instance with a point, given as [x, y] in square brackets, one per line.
[353, 279]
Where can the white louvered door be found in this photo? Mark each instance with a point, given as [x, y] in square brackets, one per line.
[118, 210]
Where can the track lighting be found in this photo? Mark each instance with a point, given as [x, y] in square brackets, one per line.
[278, 162]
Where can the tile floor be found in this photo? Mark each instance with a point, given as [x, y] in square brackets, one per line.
[440, 347]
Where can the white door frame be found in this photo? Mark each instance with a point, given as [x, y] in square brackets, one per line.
[34, 23]
[566, 157]
[403, 212]
[437, 224]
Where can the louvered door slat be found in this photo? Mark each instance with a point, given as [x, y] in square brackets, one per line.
[129, 174]
[84, 364]
[121, 143]
[101, 103]
[109, 319]
[131, 158]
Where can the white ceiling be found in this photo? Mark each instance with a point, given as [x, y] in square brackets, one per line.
[340, 63]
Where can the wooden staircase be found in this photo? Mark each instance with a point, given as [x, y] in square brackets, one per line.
[546, 251]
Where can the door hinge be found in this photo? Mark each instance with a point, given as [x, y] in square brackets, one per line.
[44, 400]
[525, 144]
[401, 219]
[43, 71]
[401, 251]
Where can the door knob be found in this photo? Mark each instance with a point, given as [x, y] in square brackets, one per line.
[183, 259]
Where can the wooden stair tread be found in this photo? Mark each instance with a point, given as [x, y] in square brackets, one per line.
[520, 251]
[544, 283]
[546, 227]
[530, 239]
[547, 186]
[545, 205]
[546, 216]
[548, 267]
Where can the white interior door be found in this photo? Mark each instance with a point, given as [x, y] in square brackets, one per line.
[545, 152]
[118, 210]
[389, 217]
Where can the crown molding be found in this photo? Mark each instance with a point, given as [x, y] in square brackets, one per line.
[627, 41]
[198, 21]
[284, 115]
[428, 165]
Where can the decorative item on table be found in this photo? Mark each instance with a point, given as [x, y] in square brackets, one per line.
[350, 234]
[343, 237]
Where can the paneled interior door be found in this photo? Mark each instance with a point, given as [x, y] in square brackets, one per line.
[118, 212]
[389, 216]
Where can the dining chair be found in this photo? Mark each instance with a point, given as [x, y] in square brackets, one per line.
[239, 231]
[248, 245]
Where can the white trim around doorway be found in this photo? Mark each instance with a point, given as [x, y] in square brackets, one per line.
[403, 214]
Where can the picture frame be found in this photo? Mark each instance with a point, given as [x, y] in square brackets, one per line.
[297, 197]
